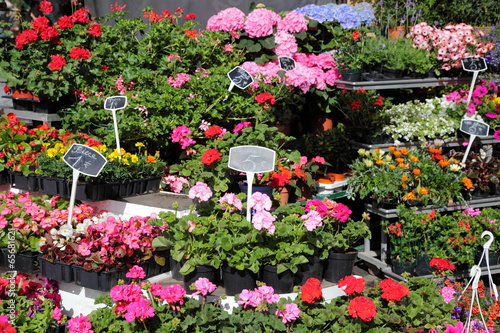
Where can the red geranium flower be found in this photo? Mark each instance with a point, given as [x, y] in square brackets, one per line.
[5, 327]
[265, 98]
[210, 156]
[65, 22]
[213, 131]
[392, 290]
[356, 105]
[57, 62]
[362, 307]
[79, 53]
[441, 264]
[311, 290]
[190, 17]
[25, 37]
[351, 284]
[46, 7]
[94, 30]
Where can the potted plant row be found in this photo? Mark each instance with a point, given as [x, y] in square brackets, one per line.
[285, 241]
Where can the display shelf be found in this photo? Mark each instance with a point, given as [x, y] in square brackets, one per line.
[379, 258]
[487, 140]
[48, 118]
[402, 83]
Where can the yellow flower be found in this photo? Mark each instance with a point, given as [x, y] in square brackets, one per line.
[125, 161]
[59, 145]
[455, 167]
[496, 100]
[51, 152]
[139, 144]
[134, 159]
[368, 163]
[361, 151]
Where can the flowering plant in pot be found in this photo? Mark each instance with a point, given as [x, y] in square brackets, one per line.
[483, 169]
[48, 59]
[403, 175]
[449, 45]
[484, 104]
[29, 217]
[435, 118]
[37, 304]
[207, 161]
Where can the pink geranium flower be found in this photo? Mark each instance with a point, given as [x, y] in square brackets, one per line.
[200, 191]
[136, 272]
[204, 287]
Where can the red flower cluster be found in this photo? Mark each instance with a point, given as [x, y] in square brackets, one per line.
[441, 264]
[94, 30]
[79, 53]
[392, 290]
[190, 17]
[46, 7]
[311, 291]
[265, 98]
[57, 62]
[395, 229]
[351, 284]
[362, 307]
[214, 131]
[210, 156]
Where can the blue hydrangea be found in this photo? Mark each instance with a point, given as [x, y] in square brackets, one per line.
[319, 13]
[365, 12]
[346, 16]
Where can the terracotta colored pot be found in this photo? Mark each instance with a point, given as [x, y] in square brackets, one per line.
[24, 94]
[397, 32]
[322, 123]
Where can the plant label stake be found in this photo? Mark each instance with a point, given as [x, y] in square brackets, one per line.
[474, 65]
[485, 256]
[286, 63]
[239, 77]
[115, 103]
[251, 160]
[82, 159]
[473, 128]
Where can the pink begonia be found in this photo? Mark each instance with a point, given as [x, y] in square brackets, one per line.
[293, 23]
[176, 183]
[260, 201]
[204, 287]
[241, 126]
[230, 201]
[312, 220]
[448, 294]
[179, 80]
[200, 191]
[287, 45]
[260, 22]
[79, 324]
[228, 20]
[136, 272]
[264, 220]
[291, 313]
[84, 248]
[172, 294]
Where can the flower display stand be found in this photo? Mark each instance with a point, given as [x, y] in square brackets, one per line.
[58, 271]
[101, 281]
[401, 83]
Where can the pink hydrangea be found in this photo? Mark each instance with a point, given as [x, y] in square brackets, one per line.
[287, 45]
[289, 314]
[200, 191]
[228, 20]
[204, 287]
[293, 22]
[260, 23]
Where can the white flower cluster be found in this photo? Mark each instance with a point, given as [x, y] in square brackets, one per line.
[422, 121]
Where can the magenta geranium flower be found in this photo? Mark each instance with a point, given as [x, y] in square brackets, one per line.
[136, 272]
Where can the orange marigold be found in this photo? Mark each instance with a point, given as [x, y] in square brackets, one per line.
[392, 167]
[403, 166]
[397, 153]
[409, 196]
[404, 178]
[379, 162]
[414, 158]
[391, 148]
[416, 172]
[405, 151]
[400, 160]
[423, 191]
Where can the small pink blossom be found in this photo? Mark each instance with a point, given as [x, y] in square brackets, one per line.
[264, 220]
[204, 287]
[136, 272]
[231, 202]
[241, 126]
[200, 191]
[312, 220]
[448, 294]
[260, 201]
[79, 324]
[191, 226]
[289, 314]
